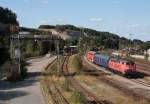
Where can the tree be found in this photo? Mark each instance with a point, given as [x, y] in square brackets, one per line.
[7, 19]
[146, 45]
[46, 27]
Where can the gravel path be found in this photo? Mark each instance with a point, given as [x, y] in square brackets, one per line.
[26, 91]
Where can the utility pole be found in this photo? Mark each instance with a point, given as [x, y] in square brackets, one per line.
[15, 53]
[19, 55]
[11, 48]
[81, 34]
[58, 58]
[119, 50]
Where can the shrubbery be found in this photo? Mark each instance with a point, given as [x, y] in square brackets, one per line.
[11, 70]
[146, 56]
[75, 63]
[78, 98]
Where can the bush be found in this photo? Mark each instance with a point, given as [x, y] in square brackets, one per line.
[146, 56]
[75, 63]
[4, 55]
[128, 55]
[23, 69]
[66, 86]
[10, 70]
[78, 98]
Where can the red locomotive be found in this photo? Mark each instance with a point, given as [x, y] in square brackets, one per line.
[121, 65]
[90, 55]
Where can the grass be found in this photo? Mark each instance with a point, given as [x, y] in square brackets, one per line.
[45, 90]
[44, 85]
[147, 78]
[146, 56]
[78, 98]
[72, 95]
[66, 86]
[107, 92]
[75, 63]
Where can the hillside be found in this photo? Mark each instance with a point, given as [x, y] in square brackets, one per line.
[65, 34]
[90, 37]
[72, 31]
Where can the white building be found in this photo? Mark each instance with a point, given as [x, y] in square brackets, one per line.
[148, 51]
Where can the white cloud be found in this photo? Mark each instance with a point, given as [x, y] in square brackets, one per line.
[45, 1]
[95, 19]
[44, 22]
[53, 21]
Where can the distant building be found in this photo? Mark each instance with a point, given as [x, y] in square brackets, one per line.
[70, 49]
[136, 51]
[24, 32]
[148, 51]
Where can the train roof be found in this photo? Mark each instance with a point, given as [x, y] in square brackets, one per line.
[95, 52]
[103, 56]
[73, 46]
[122, 59]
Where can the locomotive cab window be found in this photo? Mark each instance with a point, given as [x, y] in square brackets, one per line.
[130, 63]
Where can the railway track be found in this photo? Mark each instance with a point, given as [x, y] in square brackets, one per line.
[142, 61]
[143, 70]
[56, 95]
[118, 85]
[143, 65]
[92, 99]
[140, 81]
[136, 80]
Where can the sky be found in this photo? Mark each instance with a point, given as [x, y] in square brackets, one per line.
[122, 17]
